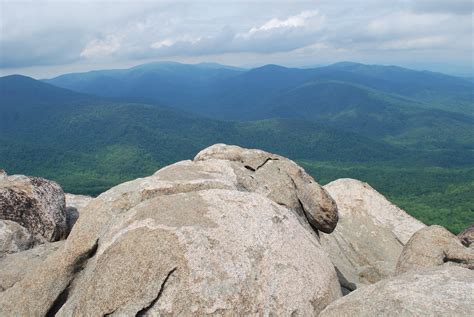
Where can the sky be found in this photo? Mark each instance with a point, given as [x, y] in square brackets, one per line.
[46, 38]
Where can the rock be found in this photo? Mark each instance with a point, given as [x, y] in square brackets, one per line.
[467, 236]
[438, 291]
[35, 203]
[15, 266]
[273, 175]
[3, 174]
[74, 205]
[15, 238]
[206, 252]
[191, 239]
[369, 236]
[433, 246]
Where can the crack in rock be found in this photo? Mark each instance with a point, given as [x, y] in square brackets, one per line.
[78, 266]
[145, 309]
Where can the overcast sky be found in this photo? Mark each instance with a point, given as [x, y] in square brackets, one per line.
[45, 38]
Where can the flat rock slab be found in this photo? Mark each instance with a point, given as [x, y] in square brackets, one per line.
[369, 236]
[439, 291]
[14, 267]
[15, 238]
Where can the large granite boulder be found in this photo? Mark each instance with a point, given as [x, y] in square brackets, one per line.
[279, 179]
[35, 203]
[197, 237]
[13, 267]
[438, 291]
[74, 205]
[15, 238]
[433, 246]
[369, 236]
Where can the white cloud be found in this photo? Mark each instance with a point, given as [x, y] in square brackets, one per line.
[163, 43]
[295, 21]
[101, 48]
[428, 42]
[40, 33]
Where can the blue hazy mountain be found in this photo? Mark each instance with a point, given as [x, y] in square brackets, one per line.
[385, 102]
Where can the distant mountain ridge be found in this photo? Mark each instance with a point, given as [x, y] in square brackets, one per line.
[216, 81]
[389, 103]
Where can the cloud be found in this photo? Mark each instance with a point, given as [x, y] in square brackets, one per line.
[101, 48]
[274, 35]
[50, 32]
[428, 42]
[296, 21]
[458, 7]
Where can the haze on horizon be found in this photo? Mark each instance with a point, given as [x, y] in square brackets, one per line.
[45, 38]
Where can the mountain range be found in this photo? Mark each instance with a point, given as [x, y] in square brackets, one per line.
[382, 124]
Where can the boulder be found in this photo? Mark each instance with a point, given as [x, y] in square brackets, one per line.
[433, 246]
[369, 236]
[15, 266]
[193, 238]
[15, 238]
[438, 291]
[467, 236]
[35, 203]
[74, 205]
[279, 179]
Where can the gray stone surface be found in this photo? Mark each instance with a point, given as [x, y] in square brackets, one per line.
[433, 246]
[369, 236]
[74, 205]
[438, 291]
[35, 203]
[13, 267]
[15, 238]
[194, 238]
[281, 180]
[206, 252]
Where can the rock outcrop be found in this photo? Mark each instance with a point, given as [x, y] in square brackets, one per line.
[370, 234]
[438, 291]
[434, 246]
[232, 232]
[279, 179]
[35, 203]
[15, 238]
[467, 236]
[74, 205]
[13, 267]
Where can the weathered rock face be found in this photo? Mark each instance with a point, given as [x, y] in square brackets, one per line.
[202, 236]
[15, 238]
[467, 236]
[433, 246]
[370, 234]
[279, 179]
[177, 254]
[438, 291]
[35, 203]
[74, 205]
[15, 266]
